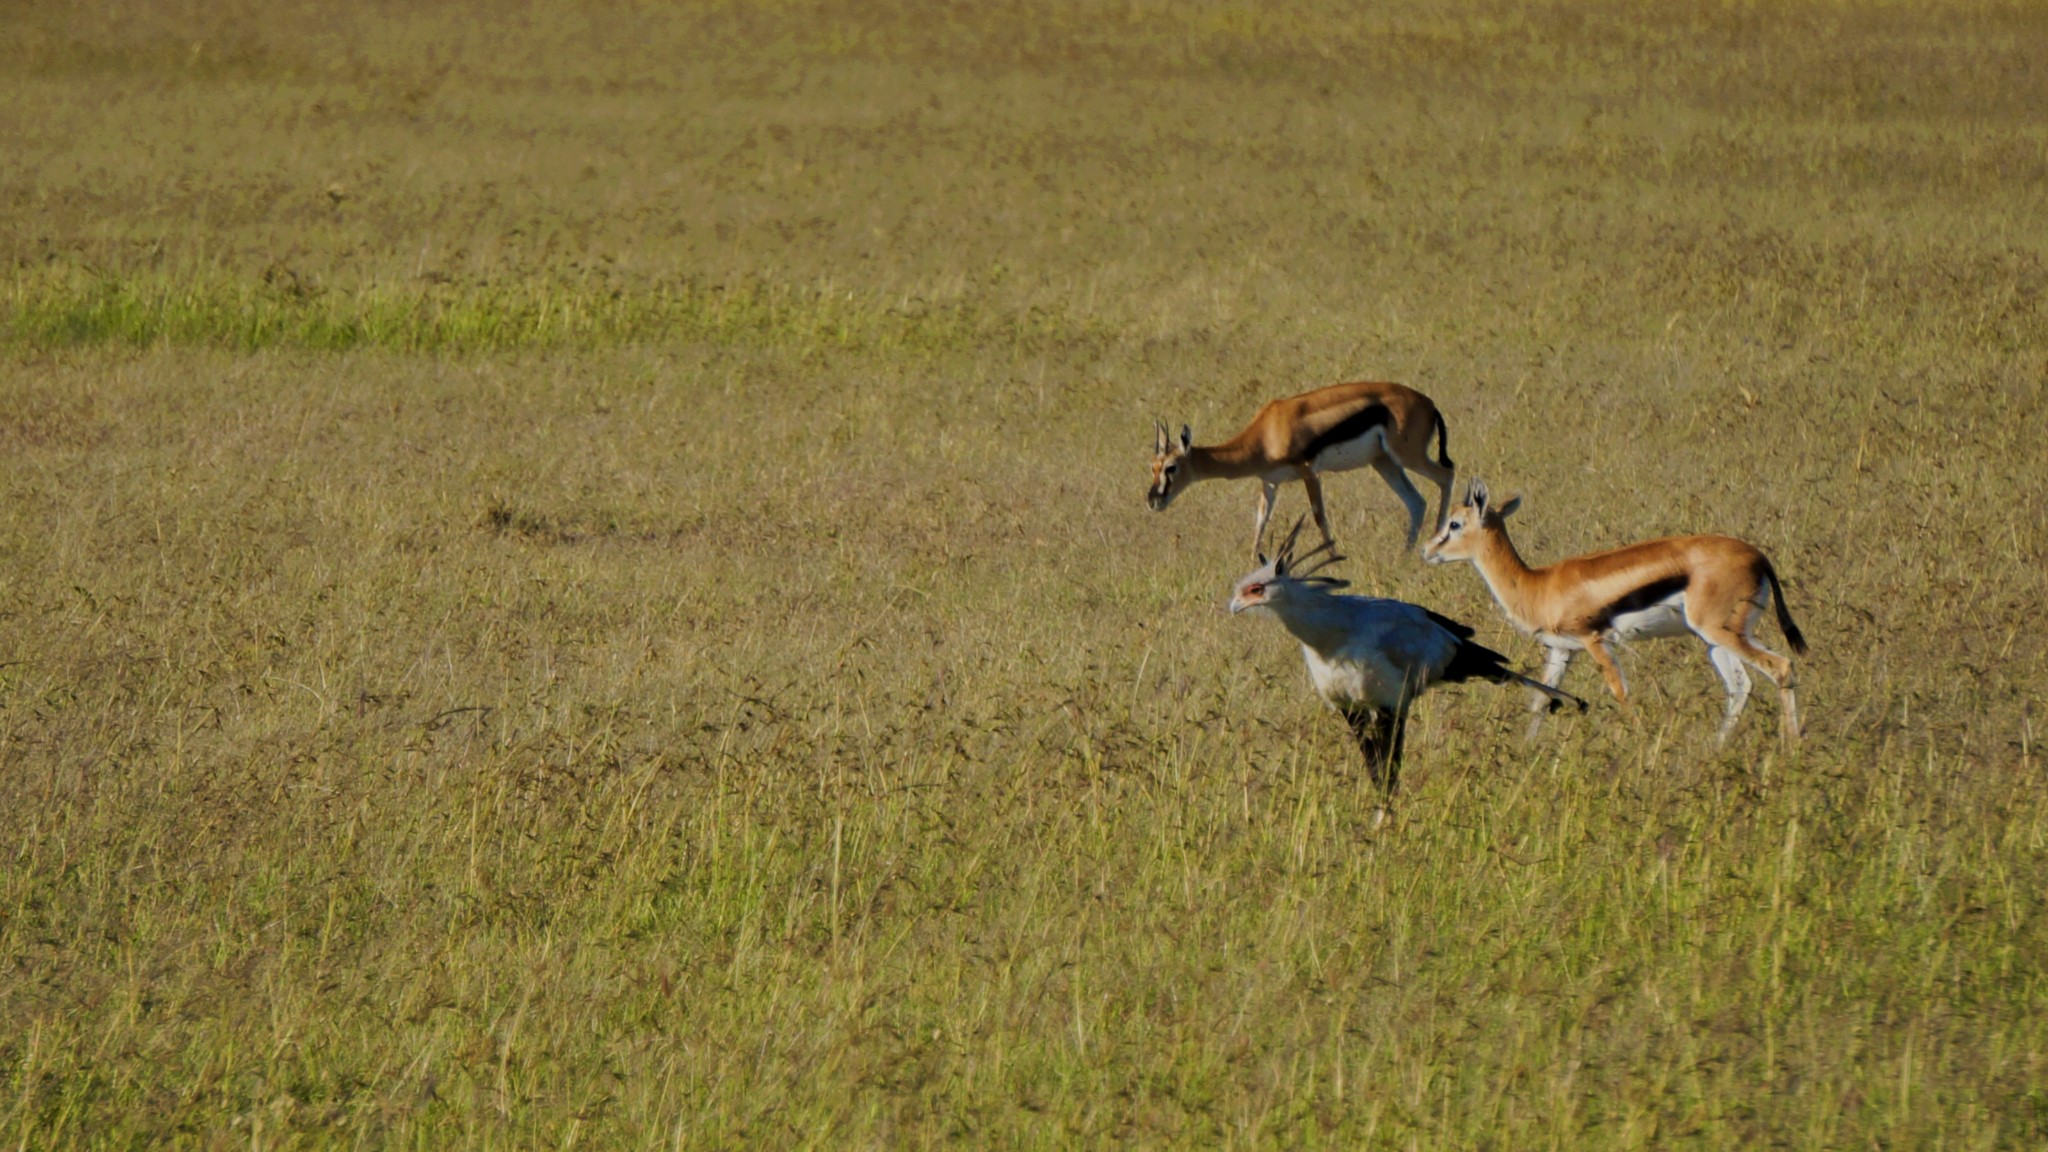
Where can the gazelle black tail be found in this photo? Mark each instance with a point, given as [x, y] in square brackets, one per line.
[1785, 624]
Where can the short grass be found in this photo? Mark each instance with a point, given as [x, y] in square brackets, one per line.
[576, 576]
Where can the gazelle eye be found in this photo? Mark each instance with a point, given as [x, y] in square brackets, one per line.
[1457, 524]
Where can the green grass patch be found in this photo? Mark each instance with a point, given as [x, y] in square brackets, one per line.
[71, 308]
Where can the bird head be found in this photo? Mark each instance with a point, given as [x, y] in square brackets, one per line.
[1286, 576]
[1259, 588]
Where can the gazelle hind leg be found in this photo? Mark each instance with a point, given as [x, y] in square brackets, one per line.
[1390, 471]
[1789, 728]
[1554, 664]
[1735, 678]
[1444, 478]
[1735, 636]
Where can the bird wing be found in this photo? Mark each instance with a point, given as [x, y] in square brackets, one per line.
[1410, 637]
[1461, 631]
[1423, 648]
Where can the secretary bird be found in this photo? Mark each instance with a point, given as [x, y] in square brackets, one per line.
[1370, 658]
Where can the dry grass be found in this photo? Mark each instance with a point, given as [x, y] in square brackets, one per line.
[577, 576]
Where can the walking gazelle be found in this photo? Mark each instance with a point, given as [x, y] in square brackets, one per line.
[1331, 429]
[1710, 586]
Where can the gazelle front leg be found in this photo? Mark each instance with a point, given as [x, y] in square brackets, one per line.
[1267, 491]
[1315, 500]
[1554, 664]
[1597, 649]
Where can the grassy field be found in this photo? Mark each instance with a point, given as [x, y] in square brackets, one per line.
[577, 575]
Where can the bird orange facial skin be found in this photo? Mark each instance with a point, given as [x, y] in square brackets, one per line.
[1249, 596]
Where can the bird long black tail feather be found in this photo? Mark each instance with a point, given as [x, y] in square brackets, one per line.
[1478, 662]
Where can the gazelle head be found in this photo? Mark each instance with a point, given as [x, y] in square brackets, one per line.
[1169, 465]
[1286, 575]
[1467, 525]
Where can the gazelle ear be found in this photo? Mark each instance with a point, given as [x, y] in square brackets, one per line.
[1159, 436]
[1508, 509]
[1187, 438]
[1476, 495]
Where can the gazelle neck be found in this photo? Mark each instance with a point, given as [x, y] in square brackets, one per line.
[1229, 460]
[1501, 566]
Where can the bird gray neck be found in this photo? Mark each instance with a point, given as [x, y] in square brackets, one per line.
[1315, 618]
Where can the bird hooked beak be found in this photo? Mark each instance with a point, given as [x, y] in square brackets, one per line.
[1245, 599]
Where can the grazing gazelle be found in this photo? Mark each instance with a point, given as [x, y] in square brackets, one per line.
[1370, 658]
[1331, 429]
[1711, 586]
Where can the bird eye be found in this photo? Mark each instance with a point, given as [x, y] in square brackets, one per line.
[1255, 590]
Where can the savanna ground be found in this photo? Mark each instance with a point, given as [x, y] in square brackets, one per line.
[576, 575]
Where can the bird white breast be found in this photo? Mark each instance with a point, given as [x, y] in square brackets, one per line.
[1357, 678]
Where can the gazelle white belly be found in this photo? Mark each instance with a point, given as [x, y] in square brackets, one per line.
[1354, 453]
[1664, 618]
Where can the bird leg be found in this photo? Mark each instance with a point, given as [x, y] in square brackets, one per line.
[1397, 742]
[1379, 741]
[1364, 724]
